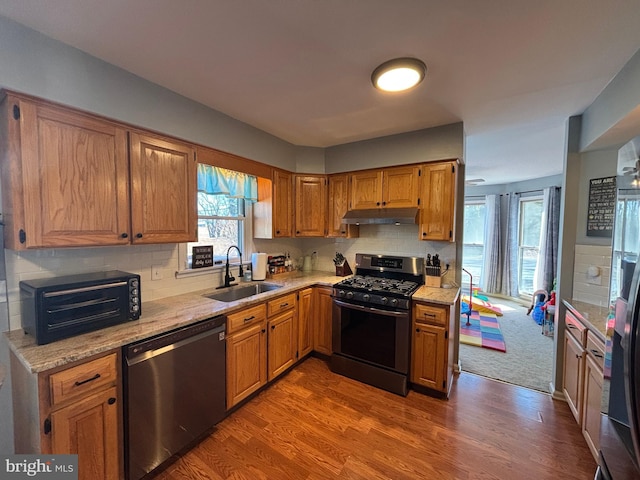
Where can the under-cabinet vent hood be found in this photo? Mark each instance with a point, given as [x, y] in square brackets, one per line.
[381, 216]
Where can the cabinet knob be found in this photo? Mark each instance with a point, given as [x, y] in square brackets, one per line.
[378, 204]
[418, 330]
[278, 232]
[111, 401]
[384, 203]
[264, 330]
[138, 235]
[124, 235]
[273, 327]
[297, 232]
[424, 234]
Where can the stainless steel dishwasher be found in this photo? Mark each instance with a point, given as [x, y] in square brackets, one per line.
[175, 392]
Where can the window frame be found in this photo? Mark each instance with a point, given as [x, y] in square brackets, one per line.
[468, 202]
[529, 198]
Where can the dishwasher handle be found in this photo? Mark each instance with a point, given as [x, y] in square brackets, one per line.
[150, 348]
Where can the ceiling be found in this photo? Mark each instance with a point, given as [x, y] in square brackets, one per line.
[512, 70]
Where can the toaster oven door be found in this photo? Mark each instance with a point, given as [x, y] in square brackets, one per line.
[64, 313]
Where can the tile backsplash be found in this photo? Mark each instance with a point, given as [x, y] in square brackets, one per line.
[25, 265]
[592, 273]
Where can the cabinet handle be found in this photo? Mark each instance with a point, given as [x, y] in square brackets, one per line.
[138, 235]
[111, 401]
[578, 356]
[124, 235]
[431, 315]
[343, 232]
[282, 305]
[249, 319]
[571, 326]
[95, 377]
[596, 353]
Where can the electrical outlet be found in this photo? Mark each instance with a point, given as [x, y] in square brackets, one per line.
[156, 273]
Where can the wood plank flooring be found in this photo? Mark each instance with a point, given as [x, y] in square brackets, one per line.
[314, 424]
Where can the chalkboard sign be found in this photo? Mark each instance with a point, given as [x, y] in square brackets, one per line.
[202, 257]
[602, 204]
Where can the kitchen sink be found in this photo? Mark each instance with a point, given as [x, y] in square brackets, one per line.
[236, 293]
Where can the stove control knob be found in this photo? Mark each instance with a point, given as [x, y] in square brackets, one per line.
[341, 293]
[384, 300]
[366, 297]
[349, 294]
[394, 301]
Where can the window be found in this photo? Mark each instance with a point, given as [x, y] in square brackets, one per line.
[221, 223]
[528, 243]
[473, 239]
[224, 213]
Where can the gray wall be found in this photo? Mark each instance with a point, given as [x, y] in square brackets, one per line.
[438, 143]
[524, 186]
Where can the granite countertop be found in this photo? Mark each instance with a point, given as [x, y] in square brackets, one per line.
[593, 316]
[163, 315]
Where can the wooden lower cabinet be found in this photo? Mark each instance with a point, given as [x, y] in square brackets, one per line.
[305, 323]
[593, 377]
[573, 374]
[432, 347]
[72, 410]
[246, 362]
[323, 308]
[89, 428]
[281, 343]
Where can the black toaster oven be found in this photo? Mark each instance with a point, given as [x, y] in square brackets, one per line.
[61, 307]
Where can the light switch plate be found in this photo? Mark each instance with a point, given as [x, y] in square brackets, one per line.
[156, 273]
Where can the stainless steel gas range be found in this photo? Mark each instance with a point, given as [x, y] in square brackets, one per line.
[372, 320]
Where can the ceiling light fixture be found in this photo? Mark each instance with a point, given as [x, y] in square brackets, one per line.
[398, 74]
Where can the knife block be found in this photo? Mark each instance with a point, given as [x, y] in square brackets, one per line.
[343, 270]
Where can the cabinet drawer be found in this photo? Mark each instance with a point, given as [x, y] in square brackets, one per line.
[281, 304]
[248, 316]
[82, 379]
[595, 349]
[429, 314]
[576, 328]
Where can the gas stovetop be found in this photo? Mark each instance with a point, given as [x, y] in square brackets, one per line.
[383, 281]
[368, 283]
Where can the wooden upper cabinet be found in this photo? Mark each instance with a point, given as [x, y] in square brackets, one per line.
[65, 177]
[395, 187]
[437, 196]
[273, 212]
[338, 204]
[366, 190]
[400, 187]
[310, 205]
[163, 190]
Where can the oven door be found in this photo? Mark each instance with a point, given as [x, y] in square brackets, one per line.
[372, 335]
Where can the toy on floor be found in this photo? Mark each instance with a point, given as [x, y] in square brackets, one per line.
[537, 307]
[482, 305]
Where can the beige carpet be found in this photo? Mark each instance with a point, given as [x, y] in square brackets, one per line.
[529, 356]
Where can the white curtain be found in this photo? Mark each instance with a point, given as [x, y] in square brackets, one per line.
[491, 282]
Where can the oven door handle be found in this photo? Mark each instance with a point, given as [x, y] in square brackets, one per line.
[389, 313]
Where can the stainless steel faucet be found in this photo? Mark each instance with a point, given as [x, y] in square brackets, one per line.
[227, 275]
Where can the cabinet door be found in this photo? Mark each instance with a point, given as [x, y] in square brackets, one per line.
[437, 201]
[305, 337]
[282, 209]
[573, 375]
[338, 205]
[281, 343]
[400, 187]
[311, 201]
[89, 428]
[246, 363]
[428, 362]
[163, 190]
[591, 405]
[323, 307]
[366, 190]
[75, 180]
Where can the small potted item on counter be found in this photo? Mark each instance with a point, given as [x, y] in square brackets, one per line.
[342, 266]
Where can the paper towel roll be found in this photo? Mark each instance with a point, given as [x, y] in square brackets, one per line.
[259, 266]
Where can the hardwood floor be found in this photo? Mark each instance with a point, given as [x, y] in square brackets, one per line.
[314, 424]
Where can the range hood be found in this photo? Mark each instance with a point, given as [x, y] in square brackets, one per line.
[381, 216]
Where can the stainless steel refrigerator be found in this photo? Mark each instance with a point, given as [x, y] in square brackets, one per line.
[620, 420]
